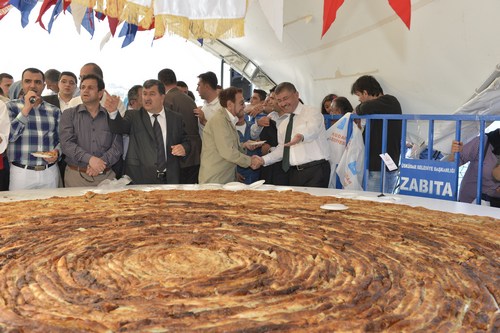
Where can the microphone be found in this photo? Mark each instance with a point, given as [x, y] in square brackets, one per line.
[32, 100]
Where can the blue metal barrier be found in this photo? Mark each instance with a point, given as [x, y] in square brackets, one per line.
[449, 170]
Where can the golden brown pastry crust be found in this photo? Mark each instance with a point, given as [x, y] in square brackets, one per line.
[221, 261]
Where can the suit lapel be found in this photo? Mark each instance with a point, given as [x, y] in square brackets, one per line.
[236, 136]
[146, 120]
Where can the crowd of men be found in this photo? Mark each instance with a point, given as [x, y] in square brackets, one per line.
[80, 138]
[81, 135]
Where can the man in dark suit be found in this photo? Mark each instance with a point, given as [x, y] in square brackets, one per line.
[153, 155]
[179, 102]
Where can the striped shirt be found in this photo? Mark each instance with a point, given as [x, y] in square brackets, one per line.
[37, 132]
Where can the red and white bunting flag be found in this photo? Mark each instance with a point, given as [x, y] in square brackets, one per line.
[403, 9]
[330, 8]
[4, 8]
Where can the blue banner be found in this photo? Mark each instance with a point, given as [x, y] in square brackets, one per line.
[429, 178]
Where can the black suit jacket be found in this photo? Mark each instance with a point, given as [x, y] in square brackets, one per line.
[52, 99]
[140, 163]
[179, 102]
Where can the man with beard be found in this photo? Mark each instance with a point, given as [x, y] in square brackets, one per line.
[221, 150]
[34, 129]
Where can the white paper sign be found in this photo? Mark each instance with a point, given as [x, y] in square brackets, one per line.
[389, 163]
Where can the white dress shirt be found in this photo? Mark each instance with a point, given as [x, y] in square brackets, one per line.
[309, 122]
[163, 125]
[4, 126]
[62, 104]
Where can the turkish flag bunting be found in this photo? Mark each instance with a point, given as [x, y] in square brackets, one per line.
[66, 4]
[330, 8]
[4, 8]
[45, 6]
[403, 9]
[113, 23]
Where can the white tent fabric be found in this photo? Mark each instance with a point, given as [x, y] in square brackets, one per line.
[273, 10]
[486, 102]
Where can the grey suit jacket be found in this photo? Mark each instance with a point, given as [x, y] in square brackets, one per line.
[221, 150]
[179, 102]
[140, 163]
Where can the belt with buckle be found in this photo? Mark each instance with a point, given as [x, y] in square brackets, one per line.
[84, 169]
[309, 164]
[33, 167]
[161, 175]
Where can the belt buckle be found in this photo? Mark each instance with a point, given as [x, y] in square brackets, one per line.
[161, 175]
[39, 167]
[299, 167]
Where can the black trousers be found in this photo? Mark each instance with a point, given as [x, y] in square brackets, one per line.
[312, 174]
[274, 174]
[494, 202]
[5, 174]
[189, 175]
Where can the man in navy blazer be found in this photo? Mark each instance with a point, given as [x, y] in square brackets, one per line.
[141, 162]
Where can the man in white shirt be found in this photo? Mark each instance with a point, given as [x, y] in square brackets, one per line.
[207, 88]
[4, 139]
[302, 144]
[67, 87]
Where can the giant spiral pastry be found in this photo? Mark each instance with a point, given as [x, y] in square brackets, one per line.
[248, 261]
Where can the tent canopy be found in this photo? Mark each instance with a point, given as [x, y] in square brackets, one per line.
[433, 67]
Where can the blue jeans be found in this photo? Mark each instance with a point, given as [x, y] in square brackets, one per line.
[375, 179]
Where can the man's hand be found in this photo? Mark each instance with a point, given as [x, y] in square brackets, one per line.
[254, 111]
[264, 121]
[201, 115]
[54, 158]
[28, 105]
[496, 175]
[265, 148]
[298, 138]
[457, 146]
[111, 103]
[96, 164]
[257, 162]
[178, 150]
